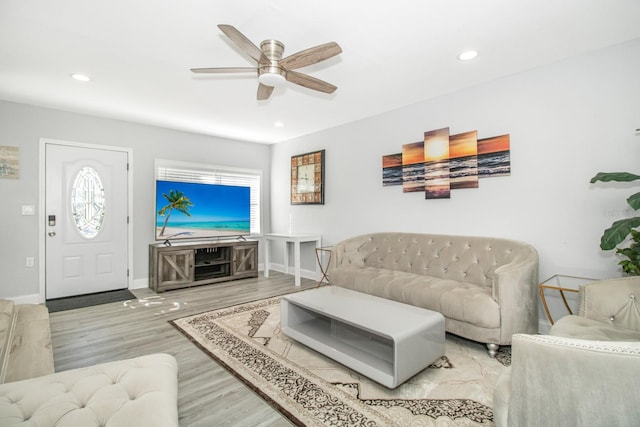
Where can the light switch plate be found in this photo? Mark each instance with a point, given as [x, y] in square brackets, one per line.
[28, 210]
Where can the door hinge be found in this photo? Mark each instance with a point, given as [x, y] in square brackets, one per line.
[127, 166]
[127, 219]
[127, 272]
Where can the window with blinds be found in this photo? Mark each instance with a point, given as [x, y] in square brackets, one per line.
[169, 170]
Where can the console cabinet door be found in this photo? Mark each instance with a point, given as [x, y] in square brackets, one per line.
[245, 259]
[175, 267]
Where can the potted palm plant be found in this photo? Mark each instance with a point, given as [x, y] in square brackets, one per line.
[625, 228]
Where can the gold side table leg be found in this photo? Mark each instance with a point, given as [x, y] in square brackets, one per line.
[544, 303]
[323, 269]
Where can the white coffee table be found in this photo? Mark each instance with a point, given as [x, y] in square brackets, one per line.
[384, 340]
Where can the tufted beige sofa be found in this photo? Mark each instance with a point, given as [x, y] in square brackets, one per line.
[484, 287]
[584, 372]
[135, 392]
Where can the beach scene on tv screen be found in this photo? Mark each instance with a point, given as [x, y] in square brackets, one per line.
[187, 210]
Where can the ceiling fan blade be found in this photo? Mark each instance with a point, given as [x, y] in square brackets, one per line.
[311, 56]
[225, 70]
[310, 82]
[264, 92]
[244, 43]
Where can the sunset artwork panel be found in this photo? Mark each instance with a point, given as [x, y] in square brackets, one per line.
[392, 169]
[494, 156]
[437, 183]
[413, 167]
[442, 162]
[463, 153]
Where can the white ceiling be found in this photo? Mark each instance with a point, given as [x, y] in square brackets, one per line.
[395, 53]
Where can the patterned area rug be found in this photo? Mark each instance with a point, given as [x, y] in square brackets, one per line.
[312, 390]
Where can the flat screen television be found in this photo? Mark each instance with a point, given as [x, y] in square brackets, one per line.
[187, 210]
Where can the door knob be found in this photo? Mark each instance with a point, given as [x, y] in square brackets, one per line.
[52, 233]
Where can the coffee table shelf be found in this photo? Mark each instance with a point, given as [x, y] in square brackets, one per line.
[384, 340]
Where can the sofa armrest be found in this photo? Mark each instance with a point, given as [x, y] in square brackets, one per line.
[554, 380]
[349, 253]
[613, 301]
[515, 289]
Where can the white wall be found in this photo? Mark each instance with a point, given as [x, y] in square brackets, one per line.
[23, 126]
[567, 121]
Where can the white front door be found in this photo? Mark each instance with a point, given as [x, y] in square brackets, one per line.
[86, 220]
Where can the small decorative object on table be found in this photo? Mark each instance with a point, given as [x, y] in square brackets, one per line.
[307, 178]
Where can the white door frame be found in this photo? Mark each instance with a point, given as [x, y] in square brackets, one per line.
[42, 214]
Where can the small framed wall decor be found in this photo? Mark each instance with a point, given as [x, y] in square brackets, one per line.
[307, 178]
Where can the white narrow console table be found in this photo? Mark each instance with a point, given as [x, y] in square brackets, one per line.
[296, 240]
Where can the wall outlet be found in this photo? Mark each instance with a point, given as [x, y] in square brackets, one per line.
[29, 261]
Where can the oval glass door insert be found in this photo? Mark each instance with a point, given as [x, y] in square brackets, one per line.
[87, 202]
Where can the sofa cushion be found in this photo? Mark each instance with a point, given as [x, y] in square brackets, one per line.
[588, 329]
[135, 392]
[453, 299]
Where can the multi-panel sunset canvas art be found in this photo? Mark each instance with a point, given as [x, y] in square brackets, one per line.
[413, 167]
[443, 162]
[463, 151]
[392, 169]
[494, 156]
[437, 179]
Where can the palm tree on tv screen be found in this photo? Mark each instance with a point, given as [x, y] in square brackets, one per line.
[178, 201]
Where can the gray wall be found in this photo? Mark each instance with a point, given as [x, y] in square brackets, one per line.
[24, 125]
[567, 121]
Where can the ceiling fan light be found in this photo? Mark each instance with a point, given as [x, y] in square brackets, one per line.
[271, 79]
[80, 77]
[467, 55]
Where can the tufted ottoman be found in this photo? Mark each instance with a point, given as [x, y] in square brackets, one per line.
[136, 392]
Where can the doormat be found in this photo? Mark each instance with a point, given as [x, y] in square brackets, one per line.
[80, 301]
[312, 390]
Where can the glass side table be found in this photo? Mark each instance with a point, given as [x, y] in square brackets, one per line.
[324, 269]
[562, 284]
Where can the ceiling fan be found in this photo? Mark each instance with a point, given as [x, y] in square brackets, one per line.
[272, 68]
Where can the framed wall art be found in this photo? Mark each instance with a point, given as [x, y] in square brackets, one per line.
[9, 162]
[307, 178]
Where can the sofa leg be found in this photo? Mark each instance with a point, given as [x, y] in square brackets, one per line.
[493, 349]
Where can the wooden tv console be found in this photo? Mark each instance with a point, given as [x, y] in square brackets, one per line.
[185, 264]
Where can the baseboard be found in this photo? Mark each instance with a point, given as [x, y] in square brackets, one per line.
[140, 283]
[26, 299]
[307, 274]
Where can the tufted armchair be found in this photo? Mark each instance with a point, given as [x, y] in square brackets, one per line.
[609, 310]
[484, 287]
[585, 372]
[557, 381]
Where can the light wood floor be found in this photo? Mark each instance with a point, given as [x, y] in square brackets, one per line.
[208, 395]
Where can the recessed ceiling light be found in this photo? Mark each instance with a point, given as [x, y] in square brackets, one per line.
[80, 77]
[467, 55]
[279, 124]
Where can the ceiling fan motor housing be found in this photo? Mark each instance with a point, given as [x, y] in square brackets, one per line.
[271, 74]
